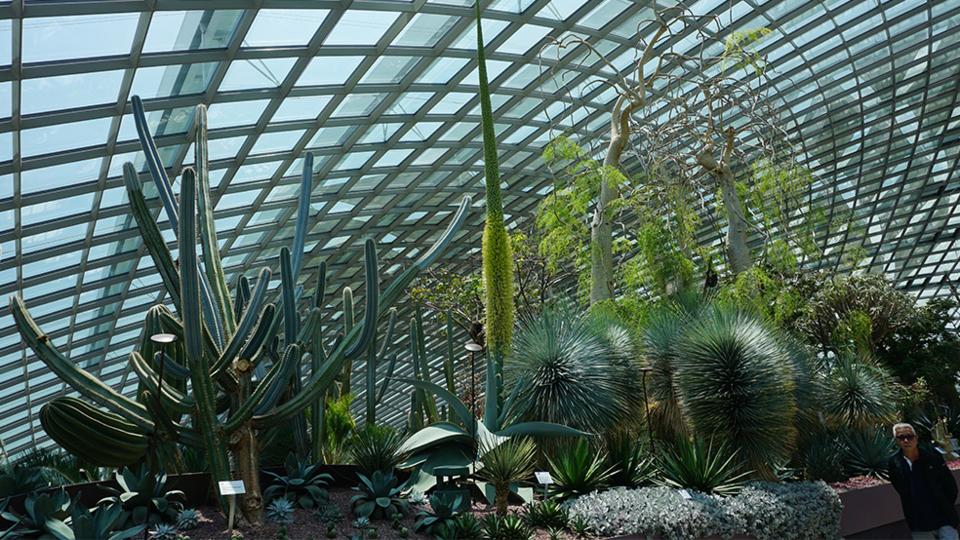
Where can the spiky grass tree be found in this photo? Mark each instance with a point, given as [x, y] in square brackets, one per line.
[658, 340]
[566, 369]
[736, 382]
[857, 393]
[497, 253]
[508, 462]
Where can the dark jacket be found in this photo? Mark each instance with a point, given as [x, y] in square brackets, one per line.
[939, 480]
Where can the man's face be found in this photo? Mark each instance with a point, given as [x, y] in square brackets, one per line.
[906, 438]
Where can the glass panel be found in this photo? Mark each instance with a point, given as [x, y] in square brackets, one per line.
[301, 108]
[389, 69]
[237, 113]
[357, 27]
[329, 70]
[6, 28]
[244, 74]
[166, 81]
[70, 91]
[281, 141]
[425, 30]
[60, 137]
[68, 174]
[180, 30]
[77, 36]
[276, 27]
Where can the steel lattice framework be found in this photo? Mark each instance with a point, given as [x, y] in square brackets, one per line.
[384, 93]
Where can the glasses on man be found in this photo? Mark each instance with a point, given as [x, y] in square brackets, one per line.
[905, 438]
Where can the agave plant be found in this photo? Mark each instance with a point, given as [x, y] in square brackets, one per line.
[379, 497]
[188, 519]
[508, 462]
[546, 514]
[578, 469]
[468, 527]
[45, 515]
[303, 485]
[735, 379]
[280, 511]
[707, 467]
[866, 452]
[143, 497]
[857, 393]
[630, 460]
[101, 522]
[442, 513]
[375, 448]
[164, 531]
[563, 368]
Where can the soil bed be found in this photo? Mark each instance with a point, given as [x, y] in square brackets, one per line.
[307, 525]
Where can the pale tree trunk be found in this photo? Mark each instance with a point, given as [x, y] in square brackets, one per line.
[245, 452]
[738, 252]
[601, 228]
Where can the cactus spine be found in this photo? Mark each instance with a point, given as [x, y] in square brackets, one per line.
[220, 342]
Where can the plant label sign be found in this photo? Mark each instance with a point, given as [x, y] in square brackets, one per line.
[685, 494]
[232, 487]
[543, 477]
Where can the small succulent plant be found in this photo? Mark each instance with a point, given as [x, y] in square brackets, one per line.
[417, 497]
[331, 530]
[188, 519]
[164, 531]
[361, 522]
[280, 511]
[329, 514]
[509, 527]
[403, 532]
[372, 533]
[554, 534]
[580, 526]
[468, 527]
[282, 533]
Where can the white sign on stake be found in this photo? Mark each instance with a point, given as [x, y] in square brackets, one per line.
[232, 487]
[685, 494]
[543, 477]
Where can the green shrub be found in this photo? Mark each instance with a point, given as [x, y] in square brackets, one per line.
[509, 527]
[375, 448]
[578, 469]
[632, 464]
[547, 514]
[707, 467]
[766, 511]
[736, 382]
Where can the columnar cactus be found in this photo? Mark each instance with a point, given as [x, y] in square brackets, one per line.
[221, 340]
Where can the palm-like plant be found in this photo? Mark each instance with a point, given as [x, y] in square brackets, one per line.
[375, 448]
[866, 452]
[736, 381]
[578, 469]
[857, 393]
[303, 484]
[566, 370]
[508, 462]
[710, 467]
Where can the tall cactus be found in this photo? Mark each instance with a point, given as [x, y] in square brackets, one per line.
[222, 338]
[374, 358]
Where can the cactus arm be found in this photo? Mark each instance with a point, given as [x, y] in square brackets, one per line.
[386, 382]
[171, 366]
[150, 232]
[347, 306]
[303, 214]
[247, 321]
[321, 293]
[169, 396]
[371, 312]
[243, 296]
[388, 335]
[205, 415]
[154, 163]
[208, 231]
[75, 377]
[370, 376]
[422, 366]
[399, 285]
[290, 318]
[268, 390]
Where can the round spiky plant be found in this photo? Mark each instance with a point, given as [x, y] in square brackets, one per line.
[736, 383]
[658, 342]
[857, 393]
[562, 370]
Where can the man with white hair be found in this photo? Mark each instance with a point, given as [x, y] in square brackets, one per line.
[927, 489]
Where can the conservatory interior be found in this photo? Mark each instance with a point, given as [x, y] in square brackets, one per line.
[467, 269]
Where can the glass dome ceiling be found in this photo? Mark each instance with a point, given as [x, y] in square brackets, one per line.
[385, 94]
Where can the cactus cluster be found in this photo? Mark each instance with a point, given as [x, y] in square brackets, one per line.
[221, 341]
